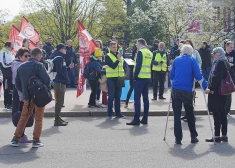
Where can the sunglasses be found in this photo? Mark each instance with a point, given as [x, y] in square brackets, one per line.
[27, 55]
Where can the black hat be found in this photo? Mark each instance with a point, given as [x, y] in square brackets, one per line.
[59, 46]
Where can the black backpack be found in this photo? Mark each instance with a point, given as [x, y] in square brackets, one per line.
[39, 92]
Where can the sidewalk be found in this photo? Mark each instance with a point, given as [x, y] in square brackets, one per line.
[76, 107]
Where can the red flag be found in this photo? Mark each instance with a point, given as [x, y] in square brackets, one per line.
[29, 31]
[86, 48]
[16, 37]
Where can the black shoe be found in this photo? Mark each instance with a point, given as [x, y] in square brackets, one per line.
[63, 106]
[212, 140]
[184, 118]
[178, 142]
[154, 98]
[133, 122]
[194, 140]
[63, 121]
[224, 139]
[162, 98]
[120, 116]
[60, 123]
[144, 122]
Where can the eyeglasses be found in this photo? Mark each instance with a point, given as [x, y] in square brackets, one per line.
[27, 55]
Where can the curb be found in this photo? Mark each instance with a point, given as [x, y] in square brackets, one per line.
[104, 114]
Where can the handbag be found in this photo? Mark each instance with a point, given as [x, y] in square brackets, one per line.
[16, 117]
[226, 85]
[120, 81]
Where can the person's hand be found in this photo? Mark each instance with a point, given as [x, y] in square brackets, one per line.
[71, 65]
[231, 64]
[207, 91]
[119, 57]
[160, 63]
[75, 64]
[167, 73]
[124, 76]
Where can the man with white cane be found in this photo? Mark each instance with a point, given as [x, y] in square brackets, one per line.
[184, 70]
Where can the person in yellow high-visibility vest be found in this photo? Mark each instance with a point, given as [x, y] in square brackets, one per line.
[142, 79]
[114, 70]
[160, 65]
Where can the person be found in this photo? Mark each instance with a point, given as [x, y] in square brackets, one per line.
[175, 52]
[155, 45]
[114, 70]
[60, 81]
[22, 56]
[183, 72]
[71, 58]
[142, 79]
[26, 43]
[230, 55]
[48, 47]
[131, 67]
[217, 102]
[6, 59]
[119, 47]
[160, 65]
[30, 68]
[95, 72]
[196, 54]
[44, 54]
[205, 54]
[101, 60]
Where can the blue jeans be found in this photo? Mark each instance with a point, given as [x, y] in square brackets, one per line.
[179, 97]
[72, 77]
[141, 87]
[114, 95]
[206, 73]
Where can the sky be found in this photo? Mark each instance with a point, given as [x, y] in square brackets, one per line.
[12, 6]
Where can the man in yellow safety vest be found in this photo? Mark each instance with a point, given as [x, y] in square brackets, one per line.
[160, 64]
[142, 79]
[114, 71]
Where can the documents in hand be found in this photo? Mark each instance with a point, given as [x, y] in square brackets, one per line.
[129, 61]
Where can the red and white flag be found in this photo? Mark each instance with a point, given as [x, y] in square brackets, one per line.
[16, 37]
[29, 31]
[86, 47]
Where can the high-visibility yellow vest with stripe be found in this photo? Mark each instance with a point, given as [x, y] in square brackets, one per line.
[163, 59]
[118, 71]
[145, 71]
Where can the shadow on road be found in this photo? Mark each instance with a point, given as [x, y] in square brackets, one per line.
[223, 149]
[50, 131]
[15, 155]
[138, 131]
[109, 124]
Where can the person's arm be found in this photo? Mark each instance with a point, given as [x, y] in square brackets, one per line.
[43, 76]
[110, 63]
[172, 73]
[198, 75]
[18, 82]
[139, 60]
[153, 59]
[58, 62]
[97, 68]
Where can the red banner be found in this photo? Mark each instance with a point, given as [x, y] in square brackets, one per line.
[29, 31]
[86, 48]
[17, 37]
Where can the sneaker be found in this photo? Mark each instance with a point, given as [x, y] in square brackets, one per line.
[194, 140]
[103, 106]
[224, 139]
[162, 98]
[60, 123]
[14, 142]
[98, 102]
[126, 106]
[25, 139]
[120, 116]
[37, 144]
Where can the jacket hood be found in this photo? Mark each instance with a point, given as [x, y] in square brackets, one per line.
[56, 53]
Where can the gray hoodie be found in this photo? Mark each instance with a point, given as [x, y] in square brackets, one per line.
[14, 66]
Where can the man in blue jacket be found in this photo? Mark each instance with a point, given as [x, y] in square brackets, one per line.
[71, 58]
[184, 70]
[60, 81]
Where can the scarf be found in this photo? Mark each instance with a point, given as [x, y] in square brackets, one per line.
[214, 64]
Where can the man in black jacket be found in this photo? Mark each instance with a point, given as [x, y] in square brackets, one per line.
[155, 46]
[230, 54]
[48, 47]
[205, 54]
[28, 69]
[71, 61]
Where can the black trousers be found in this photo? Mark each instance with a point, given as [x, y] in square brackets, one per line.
[94, 86]
[131, 87]
[158, 81]
[7, 87]
[228, 104]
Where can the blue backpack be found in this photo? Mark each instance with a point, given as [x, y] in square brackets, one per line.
[87, 71]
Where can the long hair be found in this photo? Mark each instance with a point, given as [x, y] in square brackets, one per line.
[190, 42]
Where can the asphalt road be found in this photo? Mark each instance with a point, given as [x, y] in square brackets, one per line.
[99, 143]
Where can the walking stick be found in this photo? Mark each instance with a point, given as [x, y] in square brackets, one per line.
[208, 113]
[164, 139]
